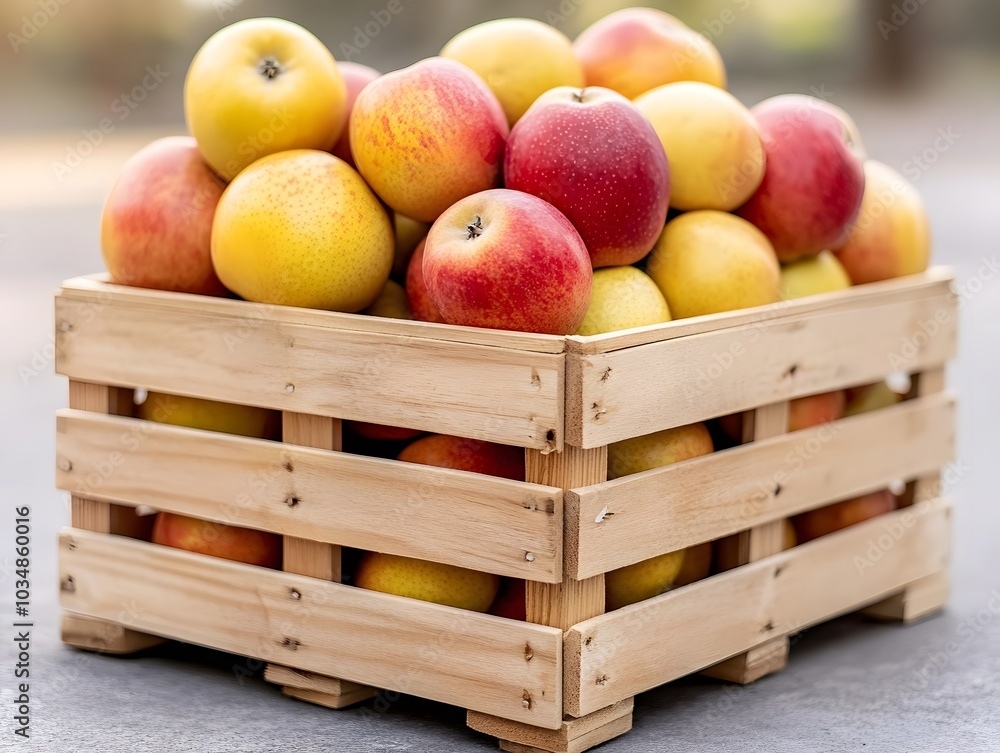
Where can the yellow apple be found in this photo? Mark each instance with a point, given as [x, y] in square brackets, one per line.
[262, 86]
[715, 152]
[427, 581]
[813, 275]
[708, 261]
[209, 415]
[409, 233]
[641, 581]
[301, 228]
[621, 298]
[870, 397]
[697, 564]
[519, 59]
[658, 449]
[391, 302]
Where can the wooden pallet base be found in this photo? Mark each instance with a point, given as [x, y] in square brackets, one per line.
[106, 637]
[574, 736]
[326, 691]
[919, 599]
[751, 666]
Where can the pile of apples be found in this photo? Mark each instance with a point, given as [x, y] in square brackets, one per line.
[518, 181]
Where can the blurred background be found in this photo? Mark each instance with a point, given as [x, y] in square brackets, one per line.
[921, 78]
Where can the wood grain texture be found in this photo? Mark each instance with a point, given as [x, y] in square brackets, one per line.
[614, 396]
[586, 741]
[622, 653]
[296, 678]
[103, 637]
[501, 667]
[497, 394]
[438, 514]
[558, 740]
[934, 281]
[919, 599]
[706, 498]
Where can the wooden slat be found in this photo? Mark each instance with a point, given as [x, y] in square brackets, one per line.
[934, 280]
[438, 514]
[98, 291]
[716, 495]
[558, 740]
[627, 393]
[296, 678]
[482, 392]
[586, 741]
[104, 637]
[624, 652]
[501, 667]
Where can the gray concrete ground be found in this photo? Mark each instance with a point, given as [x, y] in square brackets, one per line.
[850, 686]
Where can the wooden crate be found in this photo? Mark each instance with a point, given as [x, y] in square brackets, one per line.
[564, 680]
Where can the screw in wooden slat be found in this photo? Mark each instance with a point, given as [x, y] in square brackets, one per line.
[289, 388]
[529, 652]
[526, 700]
[68, 585]
[291, 644]
[295, 593]
[529, 556]
[292, 501]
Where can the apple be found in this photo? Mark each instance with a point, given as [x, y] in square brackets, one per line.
[708, 261]
[428, 135]
[427, 581]
[622, 298]
[715, 152]
[380, 431]
[301, 228]
[210, 415]
[156, 229]
[891, 236]
[408, 234]
[870, 397]
[658, 449]
[422, 308]
[510, 601]
[217, 539]
[356, 77]
[814, 410]
[824, 520]
[813, 182]
[260, 86]
[462, 454]
[813, 275]
[507, 260]
[641, 581]
[593, 156]
[697, 564]
[637, 49]
[519, 59]
[390, 303]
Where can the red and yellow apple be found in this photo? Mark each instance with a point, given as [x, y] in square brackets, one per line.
[463, 454]
[891, 236]
[408, 233]
[510, 601]
[428, 581]
[813, 182]
[824, 520]
[381, 432]
[428, 135]
[507, 260]
[637, 49]
[814, 410]
[217, 539]
[156, 229]
[593, 156]
[261, 86]
[301, 228]
[356, 77]
[422, 308]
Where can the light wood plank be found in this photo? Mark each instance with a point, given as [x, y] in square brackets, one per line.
[501, 667]
[935, 280]
[296, 678]
[637, 391]
[917, 600]
[706, 498]
[496, 394]
[609, 731]
[104, 637]
[331, 701]
[98, 291]
[439, 514]
[623, 653]
[558, 740]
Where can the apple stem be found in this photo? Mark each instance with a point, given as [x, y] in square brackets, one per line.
[578, 95]
[475, 228]
[269, 68]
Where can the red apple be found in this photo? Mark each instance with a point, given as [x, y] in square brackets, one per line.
[462, 454]
[157, 225]
[814, 180]
[381, 432]
[815, 523]
[421, 306]
[357, 77]
[813, 410]
[508, 260]
[597, 159]
[217, 539]
[510, 601]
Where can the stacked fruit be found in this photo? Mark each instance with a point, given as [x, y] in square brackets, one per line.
[518, 181]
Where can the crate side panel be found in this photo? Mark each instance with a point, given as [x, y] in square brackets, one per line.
[439, 514]
[623, 652]
[509, 396]
[464, 658]
[627, 520]
[640, 390]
